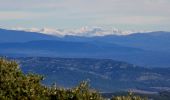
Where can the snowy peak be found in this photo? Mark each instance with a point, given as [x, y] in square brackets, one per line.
[84, 31]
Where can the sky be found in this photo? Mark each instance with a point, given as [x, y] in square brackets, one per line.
[148, 15]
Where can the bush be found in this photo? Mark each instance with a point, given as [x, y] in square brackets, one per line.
[130, 96]
[15, 85]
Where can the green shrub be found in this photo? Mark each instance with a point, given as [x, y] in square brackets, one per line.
[130, 96]
[15, 85]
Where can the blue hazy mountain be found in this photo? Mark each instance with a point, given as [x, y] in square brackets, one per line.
[56, 48]
[146, 49]
[155, 41]
[22, 36]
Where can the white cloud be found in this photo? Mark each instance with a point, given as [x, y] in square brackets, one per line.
[136, 20]
[69, 13]
[18, 15]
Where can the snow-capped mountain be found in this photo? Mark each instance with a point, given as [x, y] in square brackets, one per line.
[84, 31]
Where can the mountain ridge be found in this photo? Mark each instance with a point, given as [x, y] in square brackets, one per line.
[141, 49]
[104, 74]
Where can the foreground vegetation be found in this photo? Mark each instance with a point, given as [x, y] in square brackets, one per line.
[14, 85]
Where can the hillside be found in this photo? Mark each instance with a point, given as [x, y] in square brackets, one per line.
[104, 74]
[11, 36]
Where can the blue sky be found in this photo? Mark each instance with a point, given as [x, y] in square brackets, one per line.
[151, 15]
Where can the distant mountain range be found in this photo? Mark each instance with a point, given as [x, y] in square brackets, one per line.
[13, 36]
[105, 75]
[84, 31]
[145, 49]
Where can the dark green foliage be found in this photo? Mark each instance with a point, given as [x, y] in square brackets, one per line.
[130, 96]
[15, 85]
[81, 92]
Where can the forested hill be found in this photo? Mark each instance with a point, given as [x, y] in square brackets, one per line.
[103, 74]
